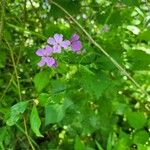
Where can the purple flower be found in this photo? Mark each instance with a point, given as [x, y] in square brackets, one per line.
[75, 43]
[45, 54]
[58, 43]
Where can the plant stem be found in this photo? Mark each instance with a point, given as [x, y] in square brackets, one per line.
[124, 72]
[20, 128]
[26, 133]
[15, 69]
[19, 91]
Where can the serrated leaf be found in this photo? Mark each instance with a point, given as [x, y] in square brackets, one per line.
[54, 113]
[92, 83]
[35, 122]
[15, 112]
[136, 119]
[41, 80]
[58, 85]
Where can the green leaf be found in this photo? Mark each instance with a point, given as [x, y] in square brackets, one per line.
[121, 144]
[120, 108]
[2, 58]
[131, 2]
[135, 30]
[41, 80]
[109, 142]
[78, 144]
[141, 137]
[35, 121]
[100, 1]
[15, 113]
[58, 85]
[3, 133]
[139, 57]
[54, 113]
[71, 6]
[98, 146]
[92, 83]
[136, 119]
[43, 99]
[145, 35]
[143, 147]
[1, 82]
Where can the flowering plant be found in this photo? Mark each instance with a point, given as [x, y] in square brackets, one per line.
[55, 45]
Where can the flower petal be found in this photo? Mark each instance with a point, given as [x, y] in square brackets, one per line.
[41, 63]
[50, 61]
[55, 64]
[57, 49]
[40, 52]
[76, 46]
[48, 50]
[51, 41]
[74, 37]
[58, 38]
[65, 44]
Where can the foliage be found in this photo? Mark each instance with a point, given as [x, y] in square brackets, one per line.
[86, 103]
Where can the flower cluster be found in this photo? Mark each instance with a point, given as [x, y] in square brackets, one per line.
[55, 45]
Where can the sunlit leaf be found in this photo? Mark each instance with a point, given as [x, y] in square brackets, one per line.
[134, 29]
[131, 2]
[35, 122]
[78, 144]
[41, 80]
[136, 119]
[15, 112]
[54, 113]
[141, 137]
[92, 83]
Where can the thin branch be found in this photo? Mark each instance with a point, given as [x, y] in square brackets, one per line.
[15, 69]
[7, 87]
[21, 129]
[27, 135]
[124, 72]
[19, 91]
